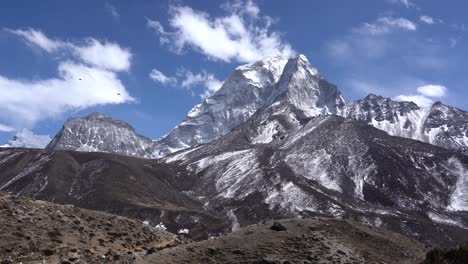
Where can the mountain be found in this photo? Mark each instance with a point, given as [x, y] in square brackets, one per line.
[312, 166]
[98, 132]
[335, 167]
[40, 232]
[27, 139]
[283, 144]
[247, 90]
[275, 83]
[438, 124]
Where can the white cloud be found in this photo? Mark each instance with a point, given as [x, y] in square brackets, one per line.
[406, 3]
[369, 40]
[420, 100]
[37, 38]
[427, 19]
[208, 80]
[158, 76]
[187, 79]
[5, 128]
[112, 10]
[105, 55]
[77, 87]
[425, 94]
[242, 35]
[82, 82]
[384, 25]
[432, 90]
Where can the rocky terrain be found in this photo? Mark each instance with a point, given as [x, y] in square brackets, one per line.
[138, 188]
[331, 166]
[277, 141]
[317, 240]
[456, 255]
[41, 232]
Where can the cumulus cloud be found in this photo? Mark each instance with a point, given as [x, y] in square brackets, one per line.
[187, 79]
[420, 100]
[158, 76]
[105, 55]
[432, 90]
[425, 95]
[384, 25]
[427, 19]
[84, 79]
[242, 35]
[5, 128]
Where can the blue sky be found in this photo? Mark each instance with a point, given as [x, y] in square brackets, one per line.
[149, 62]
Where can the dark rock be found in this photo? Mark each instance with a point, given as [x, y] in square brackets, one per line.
[277, 226]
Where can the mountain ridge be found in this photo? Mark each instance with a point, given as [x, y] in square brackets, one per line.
[270, 83]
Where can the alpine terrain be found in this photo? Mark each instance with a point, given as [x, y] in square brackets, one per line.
[276, 141]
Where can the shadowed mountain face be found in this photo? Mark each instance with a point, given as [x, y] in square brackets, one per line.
[136, 188]
[335, 167]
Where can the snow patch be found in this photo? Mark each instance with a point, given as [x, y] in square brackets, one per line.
[184, 231]
[234, 223]
[266, 133]
[442, 219]
[459, 197]
[160, 226]
[314, 166]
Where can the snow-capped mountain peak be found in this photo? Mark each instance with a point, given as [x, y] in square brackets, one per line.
[98, 132]
[289, 92]
[27, 139]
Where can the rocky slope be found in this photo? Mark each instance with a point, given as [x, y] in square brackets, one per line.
[331, 166]
[27, 139]
[319, 240]
[456, 255]
[137, 188]
[98, 132]
[40, 232]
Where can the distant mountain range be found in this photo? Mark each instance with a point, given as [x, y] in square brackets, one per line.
[27, 139]
[260, 85]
